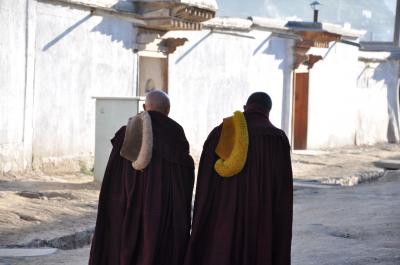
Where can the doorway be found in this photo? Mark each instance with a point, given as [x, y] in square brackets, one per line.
[153, 74]
[300, 110]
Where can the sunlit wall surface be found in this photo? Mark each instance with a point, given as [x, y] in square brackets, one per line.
[375, 16]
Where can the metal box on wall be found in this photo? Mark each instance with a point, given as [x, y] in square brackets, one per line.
[111, 114]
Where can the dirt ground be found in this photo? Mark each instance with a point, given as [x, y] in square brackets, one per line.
[356, 225]
[325, 165]
[44, 207]
[337, 225]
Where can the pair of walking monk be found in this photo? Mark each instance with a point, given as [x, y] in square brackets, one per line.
[244, 194]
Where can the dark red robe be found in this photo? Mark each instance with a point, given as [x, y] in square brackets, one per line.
[144, 216]
[245, 219]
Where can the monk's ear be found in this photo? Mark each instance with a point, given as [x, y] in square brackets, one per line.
[144, 107]
[244, 107]
[167, 110]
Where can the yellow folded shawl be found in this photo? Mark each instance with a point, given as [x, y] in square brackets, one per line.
[233, 146]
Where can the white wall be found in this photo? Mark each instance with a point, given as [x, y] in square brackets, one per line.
[333, 98]
[68, 57]
[12, 83]
[349, 99]
[388, 73]
[378, 90]
[55, 58]
[213, 74]
[78, 56]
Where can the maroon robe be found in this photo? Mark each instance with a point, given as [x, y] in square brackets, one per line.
[144, 216]
[245, 219]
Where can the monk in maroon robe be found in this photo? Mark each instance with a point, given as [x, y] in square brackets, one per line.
[245, 219]
[144, 215]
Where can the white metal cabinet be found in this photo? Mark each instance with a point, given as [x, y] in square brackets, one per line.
[111, 114]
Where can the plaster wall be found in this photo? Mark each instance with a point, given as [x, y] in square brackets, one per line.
[54, 59]
[213, 74]
[13, 26]
[333, 98]
[78, 56]
[379, 91]
[349, 100]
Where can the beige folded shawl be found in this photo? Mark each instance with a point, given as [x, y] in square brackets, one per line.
[138, 141]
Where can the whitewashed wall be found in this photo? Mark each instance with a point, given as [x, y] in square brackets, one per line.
[378, 101]
[12, 83]
[333, 99]
[78, 56]
[213, 74]
[349, 100]
[53, 62]
[54, 59]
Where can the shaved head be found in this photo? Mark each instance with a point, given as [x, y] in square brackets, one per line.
[157, 100]
[260, 99]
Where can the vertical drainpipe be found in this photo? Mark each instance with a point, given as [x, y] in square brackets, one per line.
[397, 101]
[27, 129]
[26, 69]
[292, 95]
[393, 133]
[135, 84]
[396, 42]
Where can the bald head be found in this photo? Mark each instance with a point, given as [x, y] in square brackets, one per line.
[157, 100]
